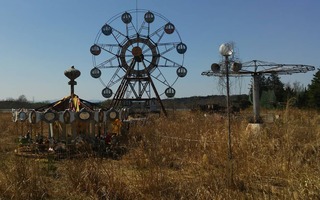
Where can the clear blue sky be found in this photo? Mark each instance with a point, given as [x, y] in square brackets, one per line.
[40, 39]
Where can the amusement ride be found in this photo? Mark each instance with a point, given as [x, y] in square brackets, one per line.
[232, 67]
[137, 57]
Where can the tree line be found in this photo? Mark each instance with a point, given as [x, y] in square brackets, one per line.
[20, 102]
[274, 93]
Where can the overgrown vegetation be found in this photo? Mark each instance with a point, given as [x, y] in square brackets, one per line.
[183, 156]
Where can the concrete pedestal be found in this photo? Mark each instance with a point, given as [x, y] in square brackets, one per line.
[254, 128]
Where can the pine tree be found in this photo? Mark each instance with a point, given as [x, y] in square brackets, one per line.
[271, 85]
[314, 91]
[274, 83]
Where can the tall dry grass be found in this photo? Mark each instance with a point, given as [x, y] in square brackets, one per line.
[182, 156]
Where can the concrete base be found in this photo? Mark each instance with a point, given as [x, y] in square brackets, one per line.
[254, 128]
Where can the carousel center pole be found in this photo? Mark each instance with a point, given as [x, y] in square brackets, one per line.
[72, 74]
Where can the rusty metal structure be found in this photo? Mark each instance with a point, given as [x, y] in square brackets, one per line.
[255, 69]
[64, 126]
[138, 57]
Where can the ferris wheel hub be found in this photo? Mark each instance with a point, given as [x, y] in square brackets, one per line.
[136, 51]
[137, 54]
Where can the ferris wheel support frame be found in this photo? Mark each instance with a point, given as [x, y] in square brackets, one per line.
[119, 95]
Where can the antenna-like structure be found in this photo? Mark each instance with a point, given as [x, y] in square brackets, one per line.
[256, 68]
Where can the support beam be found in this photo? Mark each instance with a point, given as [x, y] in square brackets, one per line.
[255, 94]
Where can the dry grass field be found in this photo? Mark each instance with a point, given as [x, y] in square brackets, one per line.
[183, 156]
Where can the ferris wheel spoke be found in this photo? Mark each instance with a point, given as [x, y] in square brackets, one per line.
[168, 63]
[110, 48]
[129, 28]
[129, 59]
[115, 78]
[157, 35]
[167, 47]
[160, 77]
[145, 48]
[109, 63]
[148, 57]
[144, 27]
[104, 85]
[138, 66]
[119, 37]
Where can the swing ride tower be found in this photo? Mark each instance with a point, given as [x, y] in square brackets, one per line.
[255, 69]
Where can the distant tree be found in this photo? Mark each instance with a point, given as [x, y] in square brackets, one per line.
[298, 92]
[314, 91]
[298, 87]
[271, 85]
[106, 103]
[22, 98]
[268, 99]
[289, 91]
[302, 99]
[274, 83]
[262, 86]
[10, 99]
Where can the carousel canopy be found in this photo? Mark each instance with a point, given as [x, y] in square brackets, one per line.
[69, 103]
[66, 110]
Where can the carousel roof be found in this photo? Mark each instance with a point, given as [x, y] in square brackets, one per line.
[69, 103]
[66, 111]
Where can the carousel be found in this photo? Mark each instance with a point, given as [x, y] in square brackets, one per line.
[69, 127]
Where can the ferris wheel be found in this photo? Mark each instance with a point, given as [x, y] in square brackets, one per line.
[136, 53]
